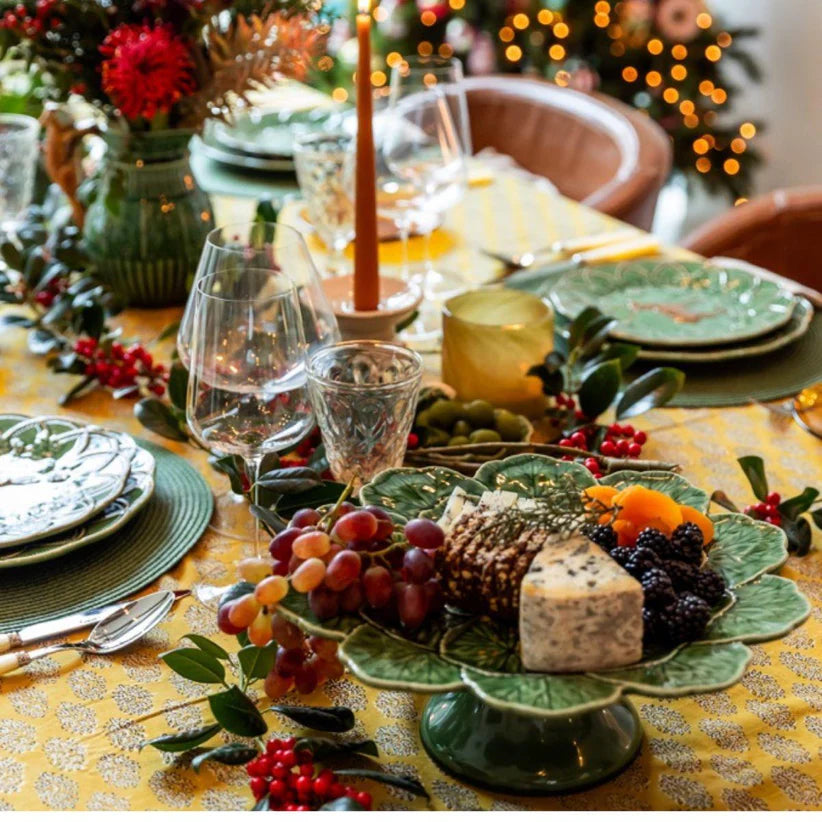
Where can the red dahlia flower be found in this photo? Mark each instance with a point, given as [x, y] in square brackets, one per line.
[146, 70]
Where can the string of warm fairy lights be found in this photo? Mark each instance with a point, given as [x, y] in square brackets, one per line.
[654, 73]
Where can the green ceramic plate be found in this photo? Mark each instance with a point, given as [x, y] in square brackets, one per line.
[54, 476]
[136, 492]
[481, 656]
[797, 326]
[682, 304]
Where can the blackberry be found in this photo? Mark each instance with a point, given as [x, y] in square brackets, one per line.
[686, 619]
[653, 627]
[602, 535]
[640, 561]
[681, 573]
[687, 542]
[621, 554]
[709, 586]
[656, 541]
[657, 587]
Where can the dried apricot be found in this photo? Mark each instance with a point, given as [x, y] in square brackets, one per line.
[646, 508]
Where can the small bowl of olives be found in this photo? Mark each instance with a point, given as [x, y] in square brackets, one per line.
[443, 420]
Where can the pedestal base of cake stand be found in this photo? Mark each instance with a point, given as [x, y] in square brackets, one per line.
[514, 753]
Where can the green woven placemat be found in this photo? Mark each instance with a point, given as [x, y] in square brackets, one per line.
[124, 563]
[763, 378]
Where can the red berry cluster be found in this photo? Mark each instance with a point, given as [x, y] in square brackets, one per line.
[767, 511]
[290, 779]
[47, 295]
[619, 441]
[28, 24]
[115, 366]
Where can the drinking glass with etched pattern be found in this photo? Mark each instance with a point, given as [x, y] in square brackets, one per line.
[364, 395]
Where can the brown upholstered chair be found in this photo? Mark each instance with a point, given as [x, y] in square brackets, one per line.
[780, 231]
[591, 147]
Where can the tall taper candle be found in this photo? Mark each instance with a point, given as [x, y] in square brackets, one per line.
[366, 263]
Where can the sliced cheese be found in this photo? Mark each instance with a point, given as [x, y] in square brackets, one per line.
[578, 610]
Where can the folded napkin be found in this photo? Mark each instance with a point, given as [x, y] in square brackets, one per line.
[789, 285]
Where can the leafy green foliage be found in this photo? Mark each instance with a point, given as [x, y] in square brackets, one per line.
[405, 783]
[185, 741]
[587, 364]
[194, 664]
[754, 468]
[234, 753]
[331, 720]
[324, 748]
[237, 713]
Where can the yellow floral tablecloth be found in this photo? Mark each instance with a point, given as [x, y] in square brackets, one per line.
[70, 731]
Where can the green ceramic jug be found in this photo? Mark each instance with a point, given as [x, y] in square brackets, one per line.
[148, 221]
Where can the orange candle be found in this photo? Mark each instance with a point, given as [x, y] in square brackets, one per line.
[366, 271]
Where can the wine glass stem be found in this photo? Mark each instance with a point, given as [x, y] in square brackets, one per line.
[404, 226]
[253, 469]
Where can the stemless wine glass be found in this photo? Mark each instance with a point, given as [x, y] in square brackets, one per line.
[324, 163]
[277, 248]
[247, 369]
[364, 394]
[18, 157]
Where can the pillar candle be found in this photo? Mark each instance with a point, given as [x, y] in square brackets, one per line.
[366, 273]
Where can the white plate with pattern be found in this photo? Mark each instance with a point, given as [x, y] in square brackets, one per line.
[55, 475]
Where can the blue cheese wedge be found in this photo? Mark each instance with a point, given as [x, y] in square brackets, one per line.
[578, 610]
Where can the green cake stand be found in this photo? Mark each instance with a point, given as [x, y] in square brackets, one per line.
[494, 724]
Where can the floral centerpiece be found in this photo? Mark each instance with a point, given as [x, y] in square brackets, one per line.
[155, 70]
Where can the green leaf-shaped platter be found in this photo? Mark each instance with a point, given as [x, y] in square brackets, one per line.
[481, 656]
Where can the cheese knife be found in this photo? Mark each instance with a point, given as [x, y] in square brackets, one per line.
[61, 626]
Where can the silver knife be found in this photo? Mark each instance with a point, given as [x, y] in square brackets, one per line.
[64, 625]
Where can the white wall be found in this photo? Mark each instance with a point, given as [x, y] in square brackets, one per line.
[789, 99]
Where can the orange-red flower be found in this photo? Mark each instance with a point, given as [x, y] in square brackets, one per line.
[146, 70]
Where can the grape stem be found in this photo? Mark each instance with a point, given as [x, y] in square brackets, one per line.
[332, 513]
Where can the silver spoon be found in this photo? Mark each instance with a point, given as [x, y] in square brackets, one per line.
[119, 629]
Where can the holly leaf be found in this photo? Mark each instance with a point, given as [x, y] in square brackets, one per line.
[290, 480]
[580, 323]
[624, 352]
[175, 743]
[41, 341]
[550, 374]
[234, 753]
[793, 507]
[76, 390]
[11, 255]
[262, 805]
[598, 389]
[194, 664]
[207, 646]
[237, 713]
[92, 320]
[323, 748]
[595, 335]
[327, 493]
[403, 782]
[269, 518]
[169, 331]
[331, 720]
[178, 384]
[157, 417]
[16, 319]
[237, 590]
[344, 803]
[257, 662]
[817, 517]
[799, 535]
[655, 388]
[754, 468]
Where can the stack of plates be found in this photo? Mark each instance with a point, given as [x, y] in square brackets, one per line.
[263, 140]
[64, 485]
[687, 312]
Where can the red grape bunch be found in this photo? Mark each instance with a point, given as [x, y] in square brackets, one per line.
[344, 560]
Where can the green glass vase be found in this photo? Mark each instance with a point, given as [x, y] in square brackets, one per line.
[148, 221]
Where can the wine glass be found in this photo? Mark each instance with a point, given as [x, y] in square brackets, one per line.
[19, 143]
[271, 246]
[247, 393]
[324, 164]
